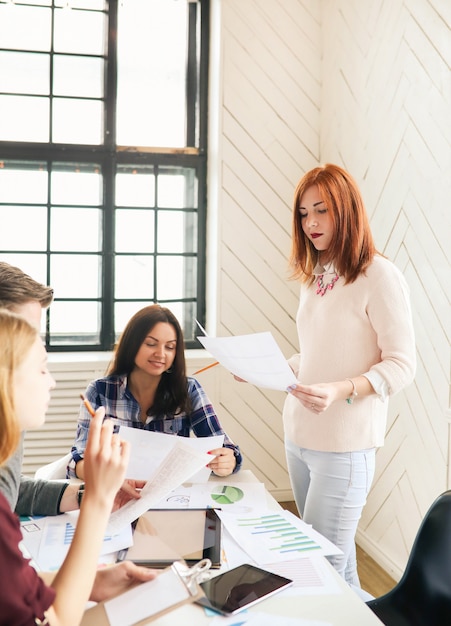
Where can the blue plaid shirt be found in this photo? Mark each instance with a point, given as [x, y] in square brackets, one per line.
[113, 393]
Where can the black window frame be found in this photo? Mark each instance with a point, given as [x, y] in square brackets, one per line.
[110, 156]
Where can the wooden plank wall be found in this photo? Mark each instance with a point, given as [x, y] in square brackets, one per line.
[268, 128]
[366, 85]
[385, 115]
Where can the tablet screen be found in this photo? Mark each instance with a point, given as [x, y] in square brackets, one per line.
[240, 588]
[162, 536]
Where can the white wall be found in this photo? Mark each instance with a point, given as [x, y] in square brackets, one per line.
[365, 84]
[266, 93]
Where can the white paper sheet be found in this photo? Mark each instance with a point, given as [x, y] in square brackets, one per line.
[273, 536]
[49, 542]
[181, 462]
[147, 599]
[255, 618]
[312, 576]
[239, 497]
[149, 449]
[256, 358]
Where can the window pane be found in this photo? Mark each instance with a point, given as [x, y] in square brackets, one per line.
[75, 207]
[152, 44]
[24, 73]
[74, 323]
[76, 185]
[177, 188]
[89, 5]
[135, 186]
[123, 311]
[25, 27]
[186, 313]
[134, 277]
[24, 118]
[78, 76]
[76, 229]
[176, 277]
[13, 235]
[25, 183]
[75, 276]
[177, 231]
[35, 265]
[77, 121]
[135, 230]
[81, 32]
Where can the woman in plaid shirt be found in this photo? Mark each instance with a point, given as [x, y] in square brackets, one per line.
[147, 387]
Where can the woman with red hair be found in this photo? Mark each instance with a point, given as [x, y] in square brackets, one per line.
[356, 348]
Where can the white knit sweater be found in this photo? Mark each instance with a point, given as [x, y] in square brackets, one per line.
[352, 329]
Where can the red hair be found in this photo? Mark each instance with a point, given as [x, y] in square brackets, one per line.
[352, 248]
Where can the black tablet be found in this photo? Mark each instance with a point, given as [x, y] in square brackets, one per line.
[239, 588]
[162, 536]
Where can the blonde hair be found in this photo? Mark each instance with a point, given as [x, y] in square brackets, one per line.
[16, 339]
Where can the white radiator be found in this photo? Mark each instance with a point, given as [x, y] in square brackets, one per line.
[57, 435]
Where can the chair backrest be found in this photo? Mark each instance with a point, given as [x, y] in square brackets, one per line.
[425, 587]
[55, 470]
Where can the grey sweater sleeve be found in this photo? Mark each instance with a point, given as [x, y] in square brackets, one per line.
[39, 497]
[10, 476]
[25, 495]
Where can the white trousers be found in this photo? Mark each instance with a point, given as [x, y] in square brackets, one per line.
[330, 490]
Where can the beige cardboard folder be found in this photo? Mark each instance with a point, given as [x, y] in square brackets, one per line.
[173, 587]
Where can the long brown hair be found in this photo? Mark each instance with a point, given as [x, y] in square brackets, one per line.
[352, 248]
[16, 339]
[172, 391]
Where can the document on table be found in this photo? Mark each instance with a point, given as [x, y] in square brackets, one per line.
[180, 463]
[149, 449]
[256, 358]
[47, 539]
[257, 618]
[164, 592]
[271, 536]
[238, 497]
[312, 576]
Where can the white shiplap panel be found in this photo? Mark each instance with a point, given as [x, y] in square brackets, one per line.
[398, 87]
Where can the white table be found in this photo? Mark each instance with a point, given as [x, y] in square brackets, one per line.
[338, 609]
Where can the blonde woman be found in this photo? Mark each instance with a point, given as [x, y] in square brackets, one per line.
[26, 597]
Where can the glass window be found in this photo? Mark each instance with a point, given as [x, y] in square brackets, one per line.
[78, 76]
[24, 118]
[75, 228]
[16, 237]
[24, 72]
[103, 109]
[151, 94]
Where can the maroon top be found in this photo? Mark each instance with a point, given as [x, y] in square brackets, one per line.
[23, 595]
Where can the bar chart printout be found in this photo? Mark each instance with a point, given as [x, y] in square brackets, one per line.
[273, 536]
[281, 535]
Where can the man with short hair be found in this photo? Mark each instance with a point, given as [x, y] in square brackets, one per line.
[23, 295]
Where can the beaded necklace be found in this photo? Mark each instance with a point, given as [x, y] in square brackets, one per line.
[322, 288]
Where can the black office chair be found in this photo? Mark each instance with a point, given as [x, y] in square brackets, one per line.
[423, 595]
